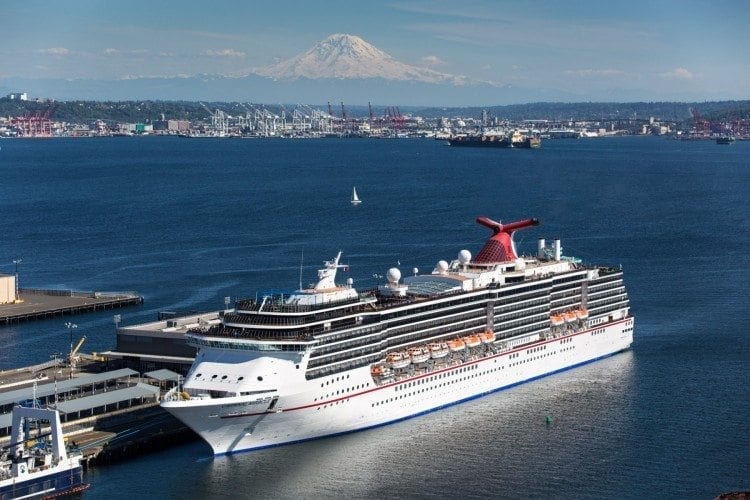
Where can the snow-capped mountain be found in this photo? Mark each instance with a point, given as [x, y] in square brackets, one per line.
[344, 56]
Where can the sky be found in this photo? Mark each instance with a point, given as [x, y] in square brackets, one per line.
[686, 50]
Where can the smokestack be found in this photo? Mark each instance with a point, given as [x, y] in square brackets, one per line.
[540, 250]
[558, 249]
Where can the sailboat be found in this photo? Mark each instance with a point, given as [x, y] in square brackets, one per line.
[355, 198]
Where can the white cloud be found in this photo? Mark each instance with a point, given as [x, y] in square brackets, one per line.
[110, 51]
[432, 61]
[678, 74]
[223, 53]
[54, 51]
[487, 67]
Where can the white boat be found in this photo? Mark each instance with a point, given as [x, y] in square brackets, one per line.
[290, 367]
[438, 350]
[45, 469]
[398, 359]
[419, 354]
[355, 198]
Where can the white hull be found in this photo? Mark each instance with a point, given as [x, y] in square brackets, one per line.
[352, 401]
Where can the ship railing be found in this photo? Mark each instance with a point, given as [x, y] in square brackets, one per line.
[276, 303]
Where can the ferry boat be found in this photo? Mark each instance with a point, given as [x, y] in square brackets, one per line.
[331, 359]
[38, 467]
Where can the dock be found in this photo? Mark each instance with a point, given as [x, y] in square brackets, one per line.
[37, 304]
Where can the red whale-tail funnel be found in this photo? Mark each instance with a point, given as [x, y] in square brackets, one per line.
[500, 247]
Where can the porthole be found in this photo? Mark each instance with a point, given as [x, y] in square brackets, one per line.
[240, 378]
[214, 376]
[198, 375]
[260, 379]
[223, 377]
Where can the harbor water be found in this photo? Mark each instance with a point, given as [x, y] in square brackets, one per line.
[188, 222]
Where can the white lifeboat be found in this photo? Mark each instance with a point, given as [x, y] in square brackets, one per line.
[398, 359]
[419, 354]
[438, 350]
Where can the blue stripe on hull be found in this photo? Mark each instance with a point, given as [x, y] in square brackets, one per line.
[47, 485]
[481, 394]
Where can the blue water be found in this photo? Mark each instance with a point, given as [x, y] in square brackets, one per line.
[187, 222]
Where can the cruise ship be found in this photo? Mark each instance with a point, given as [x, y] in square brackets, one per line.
[330, 359]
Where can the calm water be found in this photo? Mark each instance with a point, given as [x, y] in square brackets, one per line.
[188, 222]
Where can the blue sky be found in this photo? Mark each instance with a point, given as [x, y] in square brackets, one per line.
[686, 50]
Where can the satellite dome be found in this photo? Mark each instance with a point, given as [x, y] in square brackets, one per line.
[442, 266]
[349, 281]
[464, 257]
[394, 275]
[415, 271]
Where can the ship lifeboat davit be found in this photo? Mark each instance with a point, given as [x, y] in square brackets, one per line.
[398, 359]
[556, 320]
[456, 345]
[418, 354]
[472, 340]
[488, 337]
[438, 350]
[582, 314]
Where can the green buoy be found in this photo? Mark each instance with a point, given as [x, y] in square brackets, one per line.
[548, 420]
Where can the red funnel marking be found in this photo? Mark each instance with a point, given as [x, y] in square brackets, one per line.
[499, 248]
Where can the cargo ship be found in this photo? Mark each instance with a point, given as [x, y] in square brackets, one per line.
[329, 359]
[516, 140]
[480, 141]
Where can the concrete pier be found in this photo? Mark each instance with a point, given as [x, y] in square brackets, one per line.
[42, 304]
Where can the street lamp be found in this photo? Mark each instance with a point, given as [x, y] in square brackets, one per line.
[16, 262]
[70, 326]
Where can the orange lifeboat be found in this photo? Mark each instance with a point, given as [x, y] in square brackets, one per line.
[488, 337]
[556, 320]
[472, 340]
[380, 371]
[582, 314]
[456, 345]
[569, 316]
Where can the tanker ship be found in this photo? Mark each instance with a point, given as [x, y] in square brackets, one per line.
[330, 359]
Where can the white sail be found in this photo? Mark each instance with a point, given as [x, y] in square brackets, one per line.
[355, 198]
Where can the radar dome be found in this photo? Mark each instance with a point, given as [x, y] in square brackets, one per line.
[442, 266]
[464, 257]
[349, 281]
[394, 275]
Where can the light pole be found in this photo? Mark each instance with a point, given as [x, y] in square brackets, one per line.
[116, 319]
[70, 326]
[16, 262]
